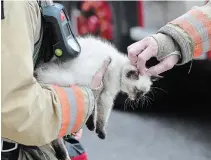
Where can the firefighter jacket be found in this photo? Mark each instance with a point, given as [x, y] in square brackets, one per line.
[32, 113]
[190, 34]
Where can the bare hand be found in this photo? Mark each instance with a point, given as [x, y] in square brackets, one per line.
[140, 52]
[78, 135]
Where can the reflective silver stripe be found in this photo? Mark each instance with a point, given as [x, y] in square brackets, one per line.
[87, 102]
[73, 108]
[201, 30]
[91, 99]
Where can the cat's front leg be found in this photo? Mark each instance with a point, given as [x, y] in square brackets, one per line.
[103, 112]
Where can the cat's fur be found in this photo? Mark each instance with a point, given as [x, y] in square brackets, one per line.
[120, 76]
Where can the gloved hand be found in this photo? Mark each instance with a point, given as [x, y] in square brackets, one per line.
[158, 45]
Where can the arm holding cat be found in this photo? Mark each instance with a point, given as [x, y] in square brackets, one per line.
[176, 43]
[32, 113]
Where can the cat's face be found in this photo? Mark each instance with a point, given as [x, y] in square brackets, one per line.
[133, 83]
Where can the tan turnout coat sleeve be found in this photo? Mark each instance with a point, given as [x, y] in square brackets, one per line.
[191, 31]
[33, 114]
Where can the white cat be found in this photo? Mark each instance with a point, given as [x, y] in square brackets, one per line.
[120, 76]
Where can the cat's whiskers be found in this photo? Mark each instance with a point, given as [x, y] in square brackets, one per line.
[144, 101]
[151, 92]
[131, 104]
[149, 98]
[125, 103]
[137, 102]
[159, 89]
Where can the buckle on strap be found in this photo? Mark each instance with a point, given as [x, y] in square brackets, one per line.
[7, 148]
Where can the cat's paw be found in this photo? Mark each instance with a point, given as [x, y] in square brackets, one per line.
[90, 123]
[100, 129]
[101, 133]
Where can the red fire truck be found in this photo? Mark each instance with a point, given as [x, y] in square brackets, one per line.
[123, 22]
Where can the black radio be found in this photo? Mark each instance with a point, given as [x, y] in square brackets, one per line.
[65, 44]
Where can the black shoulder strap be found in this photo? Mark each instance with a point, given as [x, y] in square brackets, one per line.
[2, 9]
[43, 48]
[37, 45]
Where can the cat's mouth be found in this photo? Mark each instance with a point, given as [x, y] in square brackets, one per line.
[132, 97]
[137, 95]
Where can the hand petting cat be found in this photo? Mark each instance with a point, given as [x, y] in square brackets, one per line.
[140, 52]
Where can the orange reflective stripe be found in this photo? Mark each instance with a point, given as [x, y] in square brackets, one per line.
[192, 32]
[80, 108]
[198, 26]
[65, 110]
[198, 50]
[204, 20]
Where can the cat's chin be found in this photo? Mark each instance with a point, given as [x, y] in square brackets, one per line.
[131, 97]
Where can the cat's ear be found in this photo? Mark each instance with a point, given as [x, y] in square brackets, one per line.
[156, 78]
[132, 74]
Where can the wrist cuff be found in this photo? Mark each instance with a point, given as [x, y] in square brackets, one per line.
[166, 46]
[183, 42]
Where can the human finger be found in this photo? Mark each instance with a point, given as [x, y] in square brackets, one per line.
[165, 65]
[148, 53]
[135, 49]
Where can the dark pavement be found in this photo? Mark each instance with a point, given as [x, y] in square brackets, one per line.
[150, 137]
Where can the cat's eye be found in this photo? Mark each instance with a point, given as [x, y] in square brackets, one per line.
[132, 75]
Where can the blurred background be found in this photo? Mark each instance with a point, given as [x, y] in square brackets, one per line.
[175, 121]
